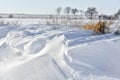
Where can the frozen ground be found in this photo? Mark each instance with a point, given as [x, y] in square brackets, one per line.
[40, 52]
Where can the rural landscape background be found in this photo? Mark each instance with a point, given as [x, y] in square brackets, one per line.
[59, 40]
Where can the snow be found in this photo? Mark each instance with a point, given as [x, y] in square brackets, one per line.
[49, 52]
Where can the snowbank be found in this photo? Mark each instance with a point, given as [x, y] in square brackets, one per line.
[40, 52]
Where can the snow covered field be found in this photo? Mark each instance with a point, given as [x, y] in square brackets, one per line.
[46, 52]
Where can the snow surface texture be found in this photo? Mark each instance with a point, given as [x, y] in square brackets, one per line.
[40, 52]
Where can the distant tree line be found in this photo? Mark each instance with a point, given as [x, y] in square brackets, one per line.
[90, 13]
[67, 10]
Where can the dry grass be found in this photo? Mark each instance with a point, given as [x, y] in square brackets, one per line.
[109, 23]
[10, 23]
[89, 26]
[98, 27]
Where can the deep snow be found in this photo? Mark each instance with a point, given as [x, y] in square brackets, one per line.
[44, 52]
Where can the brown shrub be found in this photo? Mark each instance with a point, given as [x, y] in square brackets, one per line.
[98, 27]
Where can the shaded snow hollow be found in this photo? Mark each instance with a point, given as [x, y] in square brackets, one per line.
[40, 52]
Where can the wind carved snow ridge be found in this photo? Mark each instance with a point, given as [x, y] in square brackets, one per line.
[58, 68]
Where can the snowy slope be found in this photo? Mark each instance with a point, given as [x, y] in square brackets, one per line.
[40, 52]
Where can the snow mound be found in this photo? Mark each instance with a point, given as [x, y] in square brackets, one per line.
[41, 52]
[34, 46]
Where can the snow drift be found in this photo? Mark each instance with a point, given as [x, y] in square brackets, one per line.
[40, 52]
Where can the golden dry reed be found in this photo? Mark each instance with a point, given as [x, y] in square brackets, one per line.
[98, 27]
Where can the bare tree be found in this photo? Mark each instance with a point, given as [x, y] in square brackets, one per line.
[58, 10]
[118, 12]
[117, 15]
[74, 11]
[91, 12]
[67, 10]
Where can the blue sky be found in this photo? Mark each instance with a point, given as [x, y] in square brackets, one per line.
[49, 6]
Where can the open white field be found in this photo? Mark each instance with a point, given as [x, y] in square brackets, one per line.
[47, 52]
